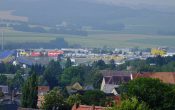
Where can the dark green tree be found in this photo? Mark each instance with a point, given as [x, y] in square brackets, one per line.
[74, 99]
[94, 97]
[10, 84]
[97, 78]
[157, 95]
[112, 65]
[3, 79]
[1, 95]
[68, 63]
[30, 92]
[54, 100]
[100, 64]
[38, 69]
[72, 75]
[52, 73]
[2, 68]
[18, 81]
[42, 81]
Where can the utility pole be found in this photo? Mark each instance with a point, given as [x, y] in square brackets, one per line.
[2, 42]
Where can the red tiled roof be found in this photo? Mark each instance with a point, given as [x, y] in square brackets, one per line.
[43, 88]
[166, 77]
[86, 107]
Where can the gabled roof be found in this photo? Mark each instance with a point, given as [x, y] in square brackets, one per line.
[114, 73]
[77, 86]
[108, 88]
[116, 77]
[74, 88]
[166, 77]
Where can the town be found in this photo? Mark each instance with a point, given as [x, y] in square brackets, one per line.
[87, 55]
[83, 79]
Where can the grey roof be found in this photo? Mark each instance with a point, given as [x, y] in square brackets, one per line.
[117, 79]
[109, 87]
[89, 87]
[114, 79]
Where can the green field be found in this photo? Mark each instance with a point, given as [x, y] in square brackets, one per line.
[95, 39]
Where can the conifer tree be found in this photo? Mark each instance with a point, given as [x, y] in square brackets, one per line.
[68, 63]
[30, 92]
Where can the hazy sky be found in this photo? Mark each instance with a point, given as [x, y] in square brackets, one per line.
[165, 5]
[161, 3]
[137, 2]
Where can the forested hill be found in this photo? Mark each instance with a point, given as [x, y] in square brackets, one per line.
[98, 16]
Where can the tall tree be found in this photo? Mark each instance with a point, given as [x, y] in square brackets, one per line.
[68, 63]
[38, 69]
[2, 67]
[3, 79]
[30, 92]
[54, 100]
[52, 73]
[100, 64]
[112, 65]
[18, 81]
[72, 75]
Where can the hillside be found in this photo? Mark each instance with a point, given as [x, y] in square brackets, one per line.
[96, 16]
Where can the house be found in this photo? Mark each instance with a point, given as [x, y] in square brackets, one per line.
[116, 91]
[86, 107]
[4, 89]
[42, 90]
[113, 79]
[74, 88]
[88, 87]
[166, 77]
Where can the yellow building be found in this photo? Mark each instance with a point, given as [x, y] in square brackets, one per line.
[24, 53]
[157, 51]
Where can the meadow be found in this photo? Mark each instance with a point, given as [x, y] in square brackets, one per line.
[94, 39]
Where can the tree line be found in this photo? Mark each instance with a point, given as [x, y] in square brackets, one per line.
[152, 64]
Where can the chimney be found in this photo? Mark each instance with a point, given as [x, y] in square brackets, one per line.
[93, 107]
[131, 77]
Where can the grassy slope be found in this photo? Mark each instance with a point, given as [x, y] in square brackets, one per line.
[95, 39]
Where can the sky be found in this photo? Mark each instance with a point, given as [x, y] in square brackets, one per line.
[164, 5]
[116, 2]
[157, 4]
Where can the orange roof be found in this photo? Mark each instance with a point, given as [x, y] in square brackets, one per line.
[86, 107]
[166, 77]
[43, 88]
